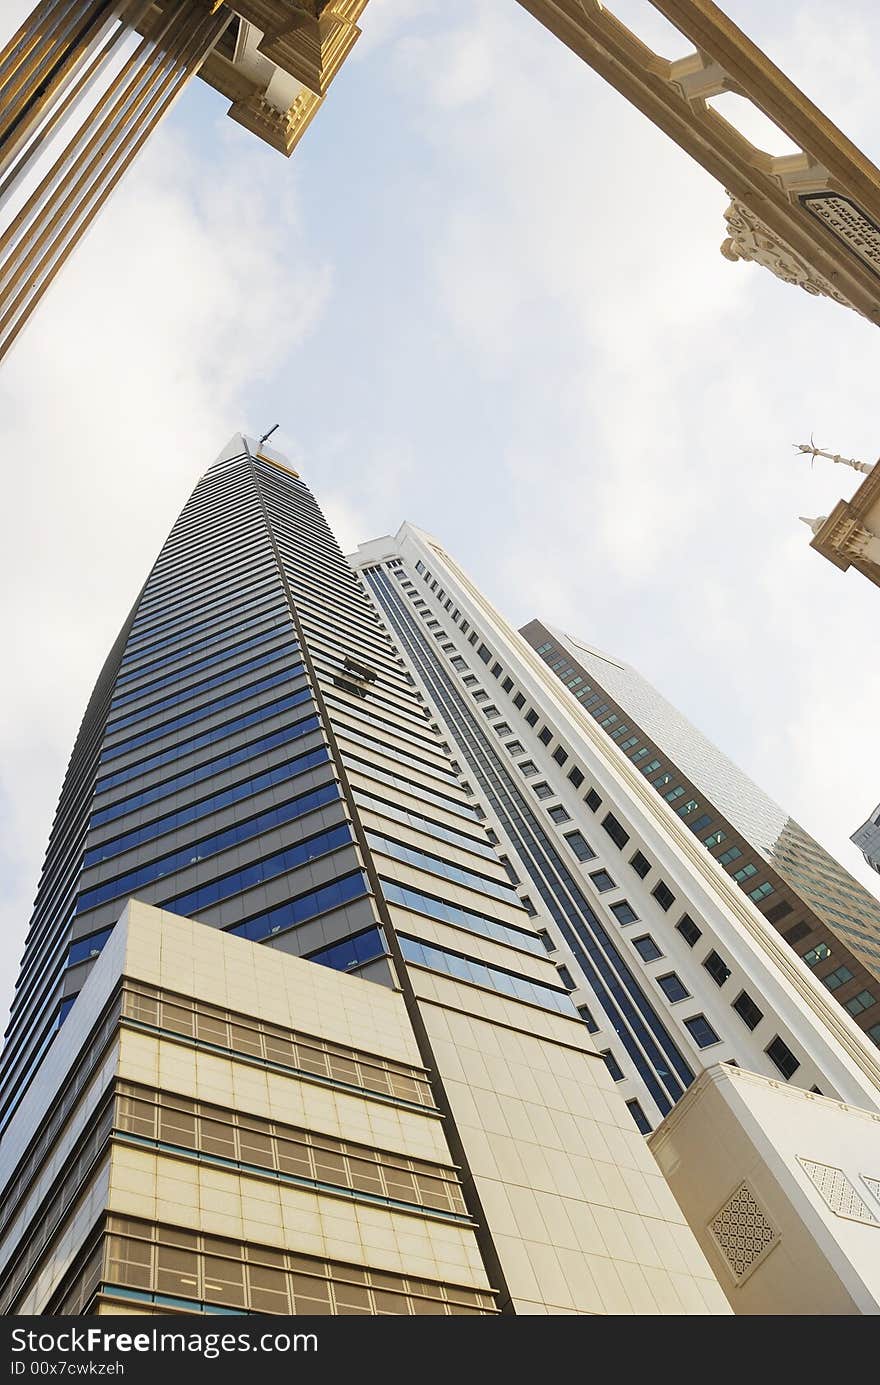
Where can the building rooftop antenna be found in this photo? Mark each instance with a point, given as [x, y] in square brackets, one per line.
[268, 435]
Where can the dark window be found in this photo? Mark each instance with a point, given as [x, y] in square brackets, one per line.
[496, 670]
[560, 755]
[613, 1066]
[528, 768]
[565, 978]
[747, 1010]
[580, 846]
[615, 830]
[545, 735]
[779, 911]
[519, 700]
[782, 1057]
[624, 912]
[663, 895]
[484, 653]
[587, 1018]
[673, 987]
[531, 716]
[503, 729]
[528, 906]
[576, 776]
[602, 880]
[543, 789]
[796, 932]
[689, 930]
[516, 748]
[638, 1115]
[558, 813]
[647, 948]
[640, 864]
[701, 1031]
[717, 968]
[472, 637]
[592, 800]
[546, 940]
[507, 684]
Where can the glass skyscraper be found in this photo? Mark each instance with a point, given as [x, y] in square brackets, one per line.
[286, 1038]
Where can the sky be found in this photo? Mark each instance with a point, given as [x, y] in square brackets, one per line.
[484, 295]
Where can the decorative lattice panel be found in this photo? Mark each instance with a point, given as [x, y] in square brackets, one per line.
[842, 1196]
[743, 1232]
[872, 1184]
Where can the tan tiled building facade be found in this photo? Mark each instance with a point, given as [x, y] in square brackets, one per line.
[258, 1134]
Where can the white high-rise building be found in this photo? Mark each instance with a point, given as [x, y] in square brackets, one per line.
[673, 966]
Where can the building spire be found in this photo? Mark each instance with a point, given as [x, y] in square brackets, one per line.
[811, 450]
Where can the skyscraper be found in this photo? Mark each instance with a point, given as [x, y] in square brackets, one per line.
[200, 1113]
[673, 965]
[820, 910]
[867, 839]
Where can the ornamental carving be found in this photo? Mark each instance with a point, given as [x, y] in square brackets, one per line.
[751, 239]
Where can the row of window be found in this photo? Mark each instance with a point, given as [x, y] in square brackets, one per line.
[459, 917]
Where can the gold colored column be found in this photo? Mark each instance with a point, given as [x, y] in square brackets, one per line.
[45, 71]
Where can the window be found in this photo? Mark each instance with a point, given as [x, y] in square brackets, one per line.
[615, 830]
[729, 855]
[638, 1115]
[502, 729]
[747, 1010]
[558, 813]
[528, 768]
[560, 755]
[796, 932]
[689, 930]
[531, 716]
[662, 780]
[701, 1031]
[496, 668]
[519, 700]
[761, 892]
[516, 748]
[624, 912]
[613, 1066]
[481, 696]
[717, 968]
[779, 911]
[602, 880]
[663, 895]
[566, 978]
[545, 735]
[816, 954]
[464, 627]
[746, 873]
[838, 978]
[677, 792]
[472, 637]
[576, 776]
[587, 1018]
[592, 800]
[580, 846]
[543, 789]
[507, 684]
[713, 839]
[469, 680]
[673, 987]
[528, 906]
[490, 711]
[781, 1056]
[647, 948]
[874, 1033]
[546, 940]
[691, 807]
[484, 653]
[863, 1001]
[640, 864]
